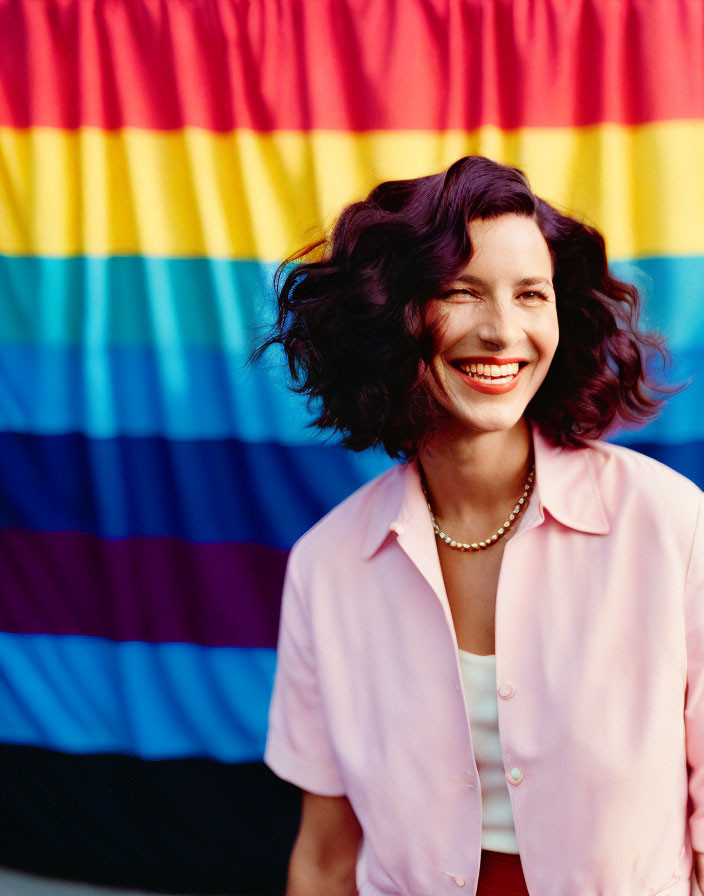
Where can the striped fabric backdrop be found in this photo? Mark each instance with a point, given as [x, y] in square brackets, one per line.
[158, 158]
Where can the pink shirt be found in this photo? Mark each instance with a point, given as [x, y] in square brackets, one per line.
[600, 681]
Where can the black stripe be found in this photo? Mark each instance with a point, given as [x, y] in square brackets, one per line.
[187, 825]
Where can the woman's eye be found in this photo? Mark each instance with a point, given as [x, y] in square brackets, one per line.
[533, 295]
[453, 292]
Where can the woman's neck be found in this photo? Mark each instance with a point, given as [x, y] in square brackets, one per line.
[477, 474]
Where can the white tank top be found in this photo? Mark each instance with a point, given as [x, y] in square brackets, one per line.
[479, 680]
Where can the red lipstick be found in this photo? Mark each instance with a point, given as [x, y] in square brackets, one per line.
[488, 359]
[492, 388]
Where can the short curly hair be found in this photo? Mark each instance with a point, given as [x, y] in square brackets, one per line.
[351, 320]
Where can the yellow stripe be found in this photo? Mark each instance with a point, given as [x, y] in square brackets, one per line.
[250, 195]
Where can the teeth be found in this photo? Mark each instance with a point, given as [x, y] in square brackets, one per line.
[491, 369]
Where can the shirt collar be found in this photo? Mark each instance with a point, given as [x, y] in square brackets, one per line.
[566, 485]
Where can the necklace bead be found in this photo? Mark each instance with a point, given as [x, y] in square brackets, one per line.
[495, 536]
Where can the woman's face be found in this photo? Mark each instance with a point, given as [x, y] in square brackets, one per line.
[500, 310]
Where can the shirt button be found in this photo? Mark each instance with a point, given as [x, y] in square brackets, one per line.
[459, 880]
[515, 776]
[506, 690]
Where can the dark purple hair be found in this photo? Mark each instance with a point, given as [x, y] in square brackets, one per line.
[350, 318]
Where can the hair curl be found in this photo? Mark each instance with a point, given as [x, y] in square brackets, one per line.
[351, 321]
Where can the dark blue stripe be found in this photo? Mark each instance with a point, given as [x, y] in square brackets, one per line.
[687, 458]
[201, 491]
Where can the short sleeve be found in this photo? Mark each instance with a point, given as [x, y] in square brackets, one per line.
[298, 745]
[694, 701]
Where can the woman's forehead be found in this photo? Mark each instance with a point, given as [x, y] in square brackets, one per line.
[510, 246]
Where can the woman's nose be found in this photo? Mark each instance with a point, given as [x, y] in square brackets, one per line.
[499, 329]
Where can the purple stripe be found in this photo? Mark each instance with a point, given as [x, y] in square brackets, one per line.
[140, 589]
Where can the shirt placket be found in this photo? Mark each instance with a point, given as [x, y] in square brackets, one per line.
[507, 690]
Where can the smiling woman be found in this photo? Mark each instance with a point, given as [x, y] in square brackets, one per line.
[485, 651]
[492, 303]
[355, 324]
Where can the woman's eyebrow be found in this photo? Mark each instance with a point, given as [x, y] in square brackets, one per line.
[526, 281]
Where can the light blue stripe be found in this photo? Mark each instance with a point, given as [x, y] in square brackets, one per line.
[673, 293]
[681, 420]
[179, 394]
[135, 300]
[200, 394]
[156, 701]
[225, 304]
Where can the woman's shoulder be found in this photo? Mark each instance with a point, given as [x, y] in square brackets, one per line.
[624, 473]
[344, 528]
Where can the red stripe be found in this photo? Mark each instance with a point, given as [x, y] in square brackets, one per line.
[349, 64]
[140, 589]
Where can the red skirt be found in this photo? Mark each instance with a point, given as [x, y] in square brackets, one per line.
[500, 874]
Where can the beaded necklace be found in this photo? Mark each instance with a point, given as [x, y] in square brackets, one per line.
[494, 537]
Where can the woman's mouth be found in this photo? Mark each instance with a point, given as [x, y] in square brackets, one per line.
[492, 379]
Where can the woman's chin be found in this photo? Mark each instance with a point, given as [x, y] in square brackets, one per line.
[493, 421]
